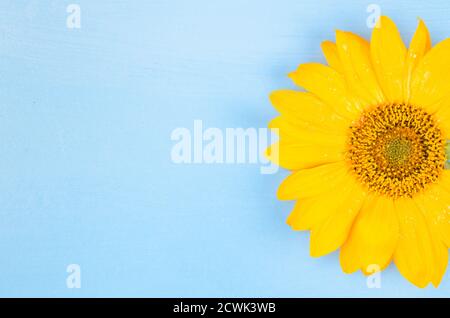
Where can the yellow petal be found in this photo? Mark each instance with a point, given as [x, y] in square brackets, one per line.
[442, 115]
[297, 156]
[331, 55]
[329, 235]
[441, 261]
[305, 107]
[354, 54]
[435, 206]
[388, 57]
[445, 179]
[373, 237]
[304, 134]
[302, 215]
[430, 81]
[419, 46]
[315, 211]
[311, 182]
[329, 85]
[420, 256]
[302, 145]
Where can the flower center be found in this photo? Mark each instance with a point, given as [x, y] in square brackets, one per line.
[396, 150]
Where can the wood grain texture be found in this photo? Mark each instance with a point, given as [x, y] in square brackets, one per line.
[85, 122]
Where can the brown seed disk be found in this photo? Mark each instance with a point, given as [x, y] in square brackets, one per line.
[396, 150]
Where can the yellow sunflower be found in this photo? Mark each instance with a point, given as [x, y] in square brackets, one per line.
[367, 144]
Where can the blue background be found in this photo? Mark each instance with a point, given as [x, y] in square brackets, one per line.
[85, 122]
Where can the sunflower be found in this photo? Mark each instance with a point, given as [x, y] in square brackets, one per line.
[367, 145]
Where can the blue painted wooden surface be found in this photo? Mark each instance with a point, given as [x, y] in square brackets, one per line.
[85, 122]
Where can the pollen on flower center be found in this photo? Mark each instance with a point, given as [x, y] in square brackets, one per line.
[396, 149]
